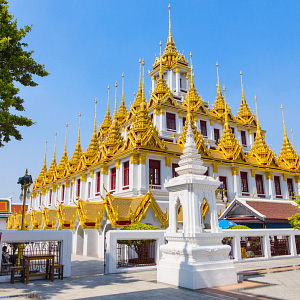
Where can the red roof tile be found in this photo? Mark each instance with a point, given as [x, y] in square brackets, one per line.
[274, 210]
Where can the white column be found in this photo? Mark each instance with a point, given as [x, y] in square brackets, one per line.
[177, 74]
[271, 189]
[85, 242]
[237, 248]
[153, 83]
[163, 124]
[267, 246]
[236, 186]
[251, 139]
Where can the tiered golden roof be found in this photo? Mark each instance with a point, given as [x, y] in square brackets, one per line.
[36, 219]
[49, 218]
[90, 214]
[260, 150]
[244, 114]
[288, 156]
[67, 216]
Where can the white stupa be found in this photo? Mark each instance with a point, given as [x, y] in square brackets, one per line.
[194, 258]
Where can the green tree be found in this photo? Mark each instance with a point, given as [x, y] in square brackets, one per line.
[295, 219]
[16, 65]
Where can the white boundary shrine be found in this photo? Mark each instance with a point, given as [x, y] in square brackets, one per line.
[194, 258]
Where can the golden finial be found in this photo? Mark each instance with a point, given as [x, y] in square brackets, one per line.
[187, 80]
[140, 82]
[284, 129]
[95, 126]
[79, 128]
[66, 138]
[218, 85]
[292, 138]
[226, 116]
[122, 86]
[44, 166]
[243, 96]
[143, 90]
[108, 99]
[160, 48]
[170, 34]
[161, 73]
[258, 126]
[115, 114]
[54, 154]
[224, 89]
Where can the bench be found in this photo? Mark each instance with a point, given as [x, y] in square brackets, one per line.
[15, 269]
[60, 269]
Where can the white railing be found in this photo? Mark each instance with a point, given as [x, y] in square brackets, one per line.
[111, 251]
[275, 243]
[24, 236]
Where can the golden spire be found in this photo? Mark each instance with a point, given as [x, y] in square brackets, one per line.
[137, 100]
[219, 105]
[78, 151]
[288, 154]
[39, 180]
[64, 159]
[192, 100]
[51, 170]
[143, 90]
[107, 120]
[260, 150]
[218, 85]
[228, 144]
[114, 138]
[93, 147]
[170, 34]
[244, 114]
[122, 112]
[292, 138]
[44, 165]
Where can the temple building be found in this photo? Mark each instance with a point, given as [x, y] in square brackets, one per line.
[119, 178]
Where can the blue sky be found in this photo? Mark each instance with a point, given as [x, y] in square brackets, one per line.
[87, 45]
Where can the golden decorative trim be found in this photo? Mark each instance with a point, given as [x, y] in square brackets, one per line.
[250, 131]
[215, 168]
[117, 164]
[211, 122]
[92, 173]
[104, 170]
[196, 119]
[252, 173]
[239, 129]
[285, 177]
[269, 175]
[54, 188]
[297, 179]
[33, 195]
[134, 159]
[67, 183]
[234, 171]
[142, 158]
[180, 115]
[58, 186]
[73, 180]
[43, 192]
[123, 129]
[37, 193]
[156, 112]
[153, 77]
[83, 177]
[168, 161]
[177, 70]
[162, 111]
[47, 190]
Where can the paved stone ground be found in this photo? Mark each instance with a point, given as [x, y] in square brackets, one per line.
[88, 282]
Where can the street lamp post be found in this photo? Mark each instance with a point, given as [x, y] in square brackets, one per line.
[25, 182]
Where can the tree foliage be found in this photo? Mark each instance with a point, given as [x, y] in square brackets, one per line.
[295, 219]
[16, 66]
[239, 227]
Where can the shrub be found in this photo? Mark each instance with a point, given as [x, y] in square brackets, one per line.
[239, 227]
[140, 226]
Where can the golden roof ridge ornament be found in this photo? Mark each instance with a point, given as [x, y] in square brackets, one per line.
[260, 150]
[288, 155]
[122, 112]
[228, 144]
[244, 115]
